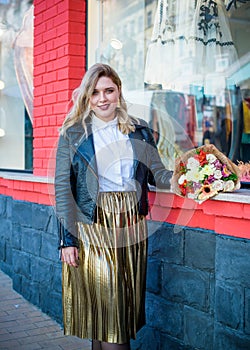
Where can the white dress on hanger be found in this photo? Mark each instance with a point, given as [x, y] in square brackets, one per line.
[160, 54]
[211, 44]
[168, 45]
[191, 44]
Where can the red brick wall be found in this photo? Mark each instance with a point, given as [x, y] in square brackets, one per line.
[59, 64]
[36, 192]
[228, 218]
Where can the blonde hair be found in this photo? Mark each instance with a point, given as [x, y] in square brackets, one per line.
[81, 97]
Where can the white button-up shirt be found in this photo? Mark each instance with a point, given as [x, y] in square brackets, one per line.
[114, 156]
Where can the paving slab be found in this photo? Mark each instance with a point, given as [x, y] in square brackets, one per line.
[24, 327]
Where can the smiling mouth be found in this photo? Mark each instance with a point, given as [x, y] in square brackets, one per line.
[104, 107]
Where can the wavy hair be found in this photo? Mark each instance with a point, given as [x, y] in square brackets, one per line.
[81, 111]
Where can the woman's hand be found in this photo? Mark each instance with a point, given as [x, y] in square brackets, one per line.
[70, 256]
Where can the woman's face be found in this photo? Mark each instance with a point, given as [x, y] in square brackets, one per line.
[104, 99]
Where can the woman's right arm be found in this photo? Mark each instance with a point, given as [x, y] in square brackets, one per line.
[65, 202]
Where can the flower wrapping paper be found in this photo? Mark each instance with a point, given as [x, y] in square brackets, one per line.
[203, 172]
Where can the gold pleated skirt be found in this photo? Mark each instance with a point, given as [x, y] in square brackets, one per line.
[104, 298]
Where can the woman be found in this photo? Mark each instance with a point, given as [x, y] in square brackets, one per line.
[105, 160]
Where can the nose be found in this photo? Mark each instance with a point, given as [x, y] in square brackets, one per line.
[102, 96]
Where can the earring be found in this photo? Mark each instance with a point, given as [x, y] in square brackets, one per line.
[118, 104]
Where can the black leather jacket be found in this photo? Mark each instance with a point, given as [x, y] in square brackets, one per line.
[76, 179]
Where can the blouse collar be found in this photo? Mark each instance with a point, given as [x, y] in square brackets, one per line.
[101, 124]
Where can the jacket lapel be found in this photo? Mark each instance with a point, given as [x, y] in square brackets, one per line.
[84, 146]
[138, 144]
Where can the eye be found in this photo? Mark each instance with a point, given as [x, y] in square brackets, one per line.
[95, 92]
[109, 91]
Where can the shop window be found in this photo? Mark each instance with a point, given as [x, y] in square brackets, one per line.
[16, 85]
[186, 70]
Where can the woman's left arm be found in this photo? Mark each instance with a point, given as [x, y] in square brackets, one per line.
[159, 176]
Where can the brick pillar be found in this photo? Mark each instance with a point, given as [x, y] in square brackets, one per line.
[59, 64]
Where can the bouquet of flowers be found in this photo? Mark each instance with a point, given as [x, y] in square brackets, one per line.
[203, 172]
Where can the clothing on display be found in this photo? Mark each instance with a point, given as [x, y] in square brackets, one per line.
[241, 149]
[245, 140]
[160, 54]
[212, 45]
[173, 120]
[193, 44]
[246, 115]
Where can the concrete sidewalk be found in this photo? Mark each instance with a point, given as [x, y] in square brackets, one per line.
[24, 327]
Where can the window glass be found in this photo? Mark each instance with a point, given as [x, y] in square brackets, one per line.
[184, 66]
[16, 63]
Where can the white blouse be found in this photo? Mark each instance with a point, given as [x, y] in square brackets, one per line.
[114, 156]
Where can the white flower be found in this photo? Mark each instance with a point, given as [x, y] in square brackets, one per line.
[194, 175]
[181, 179]
[210, 158]
[217, 174]
[193, 163]
[228, 186]
[207, 170]
[218, 185]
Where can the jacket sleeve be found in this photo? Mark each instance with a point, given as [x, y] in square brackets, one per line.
[159, 176]
[65, 202]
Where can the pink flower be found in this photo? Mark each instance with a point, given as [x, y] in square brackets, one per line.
[210, 179]
[217, 164]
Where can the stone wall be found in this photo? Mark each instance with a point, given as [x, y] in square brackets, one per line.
[198, 282]
[198, 288]
[28, 253]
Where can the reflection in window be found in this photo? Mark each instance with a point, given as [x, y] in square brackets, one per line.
[140, 23]
[189, 68]
[15, 118]
[123, 21]
[202, 56]
[149, 18]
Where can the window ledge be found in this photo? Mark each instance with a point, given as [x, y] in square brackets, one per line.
[239, 196]
[25, 177]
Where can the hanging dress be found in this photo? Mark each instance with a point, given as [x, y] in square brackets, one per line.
[191, 44]
[160, 53]
[211, 44]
